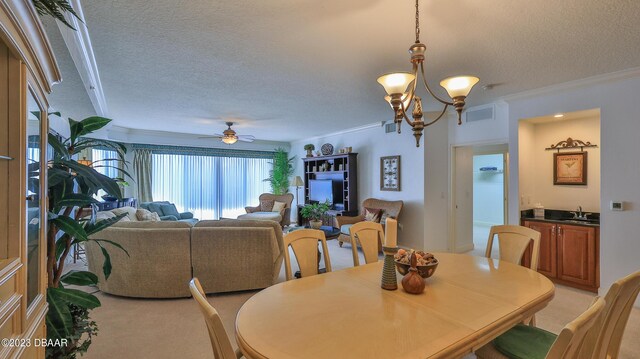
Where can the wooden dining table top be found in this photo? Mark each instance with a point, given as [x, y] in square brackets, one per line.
[345, 314]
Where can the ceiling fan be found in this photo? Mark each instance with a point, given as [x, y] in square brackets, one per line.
[229, 136]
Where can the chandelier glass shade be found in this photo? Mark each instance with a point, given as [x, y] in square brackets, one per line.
[401, 90]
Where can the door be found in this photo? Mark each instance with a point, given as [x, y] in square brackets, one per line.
[547, 264]
[577, 254]
[463, 200]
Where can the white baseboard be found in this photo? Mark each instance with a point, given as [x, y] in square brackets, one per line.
[465, 248]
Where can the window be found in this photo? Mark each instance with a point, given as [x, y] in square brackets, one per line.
[106, 162]
[209, 186]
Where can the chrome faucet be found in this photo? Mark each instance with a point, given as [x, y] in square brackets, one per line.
[579, 214]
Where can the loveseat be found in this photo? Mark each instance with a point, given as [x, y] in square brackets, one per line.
[226, 255]
[168, 211]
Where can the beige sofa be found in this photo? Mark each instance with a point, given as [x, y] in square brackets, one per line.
[231, 255]
[227, 255]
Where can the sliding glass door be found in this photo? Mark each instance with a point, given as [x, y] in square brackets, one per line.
[209, 186]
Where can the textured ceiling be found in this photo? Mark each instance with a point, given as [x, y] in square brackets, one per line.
[290, 69]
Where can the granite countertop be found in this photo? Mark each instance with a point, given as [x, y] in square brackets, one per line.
[562, 217]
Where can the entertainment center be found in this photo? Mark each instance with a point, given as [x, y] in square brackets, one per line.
[333, 178]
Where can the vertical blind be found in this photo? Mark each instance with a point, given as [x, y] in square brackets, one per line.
[105, 162]
[209, 186]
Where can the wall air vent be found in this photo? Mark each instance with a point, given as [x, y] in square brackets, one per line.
[480, 113]
[390, 127]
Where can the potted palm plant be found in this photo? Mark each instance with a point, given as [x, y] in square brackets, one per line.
[280, 172]
[314, 212]
[72, 186]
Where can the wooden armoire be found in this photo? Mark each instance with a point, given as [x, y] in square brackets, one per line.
[27, 71]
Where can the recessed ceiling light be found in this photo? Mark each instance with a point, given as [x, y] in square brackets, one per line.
[558, 115]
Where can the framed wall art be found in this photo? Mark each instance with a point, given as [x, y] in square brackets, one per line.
[570, 168]
[390, 173]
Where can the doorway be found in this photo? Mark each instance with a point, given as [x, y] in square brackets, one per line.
[479, 182]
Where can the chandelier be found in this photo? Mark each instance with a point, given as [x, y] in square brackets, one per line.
[401, 89]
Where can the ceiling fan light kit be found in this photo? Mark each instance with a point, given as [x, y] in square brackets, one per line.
[230, 136]
[401, 89]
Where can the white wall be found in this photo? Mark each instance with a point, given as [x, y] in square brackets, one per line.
[371, 143]
[481, 132]
[539, 171]
[488, 190]
[617, 99]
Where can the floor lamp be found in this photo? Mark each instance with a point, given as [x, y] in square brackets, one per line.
[298, 182]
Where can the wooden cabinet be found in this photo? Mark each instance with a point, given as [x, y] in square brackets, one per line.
[27, 71]
[548, 247]
[569, 254]
[342, 170]
[577, 255]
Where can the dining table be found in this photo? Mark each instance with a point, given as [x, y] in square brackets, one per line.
[467, 302]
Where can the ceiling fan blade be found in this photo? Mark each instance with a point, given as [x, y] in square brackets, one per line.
[217, 135]
[246, 139]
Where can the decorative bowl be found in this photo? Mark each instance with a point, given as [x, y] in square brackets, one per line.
[425, 271]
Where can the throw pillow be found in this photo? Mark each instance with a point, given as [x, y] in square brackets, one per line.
[372, 214]
[278, 207]
[104, 215]
[155, 207]
[384, 216]
[146, 215]
[170, 210]
[266, 205]
[124, 219]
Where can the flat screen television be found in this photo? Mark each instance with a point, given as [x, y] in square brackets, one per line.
[321, 190]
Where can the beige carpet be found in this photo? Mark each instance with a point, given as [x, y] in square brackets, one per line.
[135, 328]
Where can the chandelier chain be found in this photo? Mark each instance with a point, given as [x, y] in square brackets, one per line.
[417, 22]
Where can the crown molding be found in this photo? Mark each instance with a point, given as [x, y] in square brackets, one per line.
[349, 130]
[79, 44]
[153, 137]
[585, 82]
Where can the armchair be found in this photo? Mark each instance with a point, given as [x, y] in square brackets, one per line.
[389, 208]
[258, 212]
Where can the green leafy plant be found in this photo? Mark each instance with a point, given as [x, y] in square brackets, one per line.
[56, 8]
[71, 189]
[309, 147]
[281, 171]
[315, 211]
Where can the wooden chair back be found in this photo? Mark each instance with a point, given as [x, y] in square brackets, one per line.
[370, 236]
[304, 243]
[603, 341]
[513, 242]
[572, 337]
[220, 342]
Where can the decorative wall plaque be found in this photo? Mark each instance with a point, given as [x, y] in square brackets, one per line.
[390, 173]
[570, 168]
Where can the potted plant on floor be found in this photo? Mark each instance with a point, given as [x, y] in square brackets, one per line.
[71, 220]
[314, 212]
[281, 171]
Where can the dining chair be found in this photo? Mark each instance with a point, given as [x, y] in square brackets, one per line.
[220, 342]
[513, 242]
[526, 342]
[304, 243]
[370, 236]
[603, 340]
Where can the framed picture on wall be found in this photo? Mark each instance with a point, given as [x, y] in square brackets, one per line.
[390, 173]
[570, 168]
